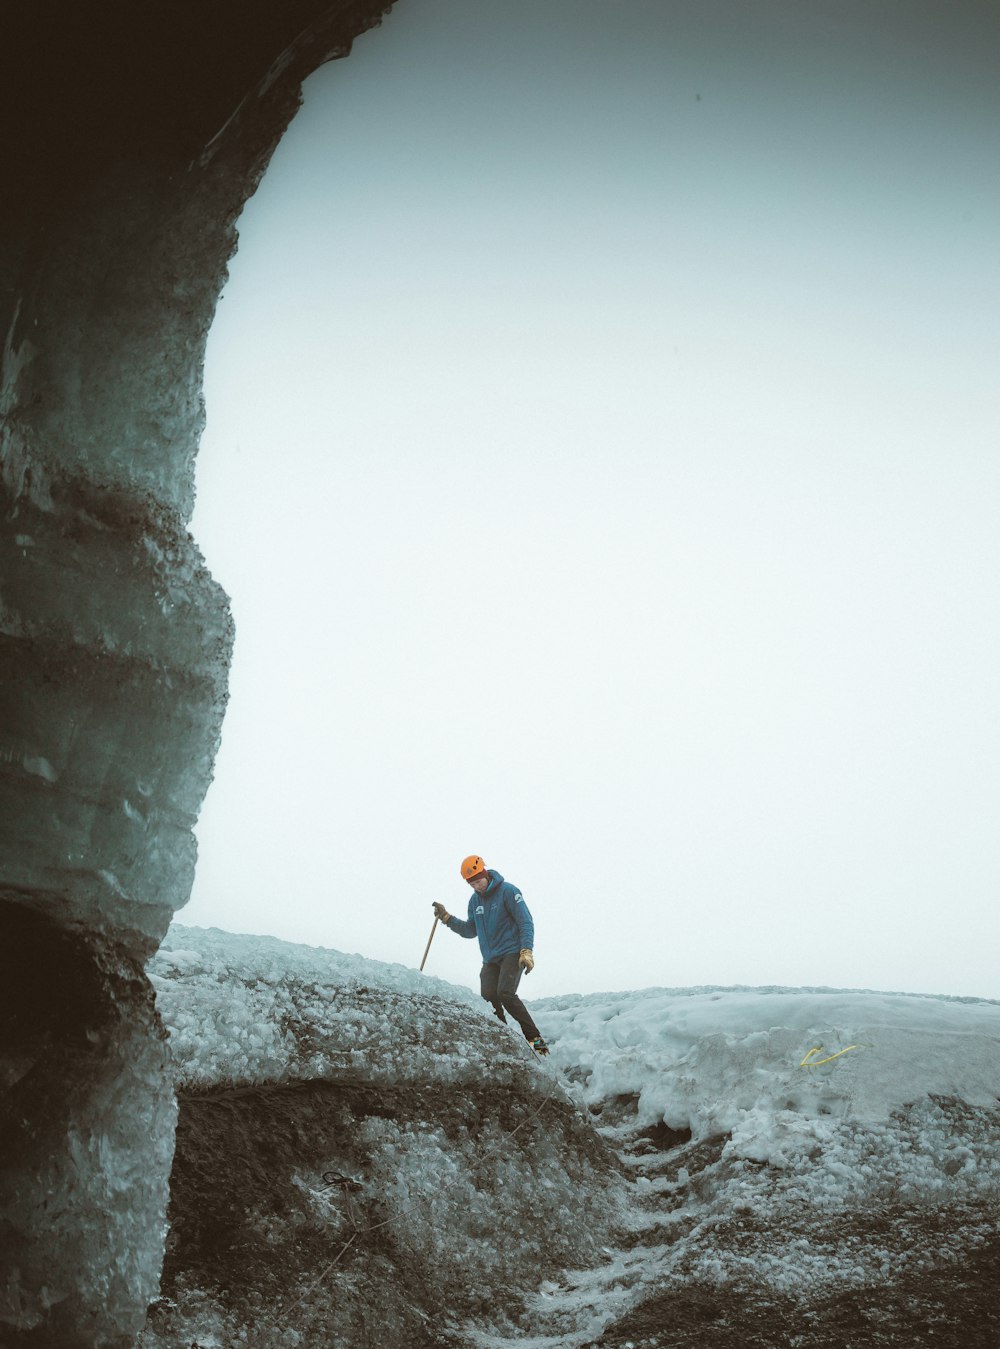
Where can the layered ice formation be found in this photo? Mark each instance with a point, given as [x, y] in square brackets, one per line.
[134, 135]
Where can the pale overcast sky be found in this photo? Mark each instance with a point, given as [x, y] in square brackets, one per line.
[602, 461]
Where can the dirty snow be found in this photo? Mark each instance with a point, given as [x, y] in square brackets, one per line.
[244, 1009]
[808, 1109]
[731, 1060]
[711, 1060]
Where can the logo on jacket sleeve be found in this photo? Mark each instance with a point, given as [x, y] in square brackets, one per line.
[518, 898]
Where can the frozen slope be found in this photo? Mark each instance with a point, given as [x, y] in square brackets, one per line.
[780, 1199]
[366, 1158]
[738, 1060]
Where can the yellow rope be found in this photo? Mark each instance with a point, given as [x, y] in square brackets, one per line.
[810, 1062]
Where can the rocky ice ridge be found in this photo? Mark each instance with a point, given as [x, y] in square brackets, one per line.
[366, 1157]
[354, 1142]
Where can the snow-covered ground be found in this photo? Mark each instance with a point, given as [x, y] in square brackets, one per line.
[841, 1141]
[774, 1066]
[761, 1132]
[247, 1009]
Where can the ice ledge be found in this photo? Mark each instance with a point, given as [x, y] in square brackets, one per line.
[249, 1010]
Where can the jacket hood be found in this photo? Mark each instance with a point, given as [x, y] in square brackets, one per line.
[496, 880]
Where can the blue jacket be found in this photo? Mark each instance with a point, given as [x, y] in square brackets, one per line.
[500, 919]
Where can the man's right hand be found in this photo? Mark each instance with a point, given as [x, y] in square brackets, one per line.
[441, 912]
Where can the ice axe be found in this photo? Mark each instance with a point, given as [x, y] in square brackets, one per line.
[429, 940]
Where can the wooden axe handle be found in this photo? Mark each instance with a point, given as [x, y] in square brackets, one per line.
[429, 940]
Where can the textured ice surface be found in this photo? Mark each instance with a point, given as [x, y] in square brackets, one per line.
[466, 1171]
[258, 1010]
[711, 1060]
[718, 1060]
[86, 1139]
[876, 1170]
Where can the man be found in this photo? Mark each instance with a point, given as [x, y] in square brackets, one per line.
[499, 917]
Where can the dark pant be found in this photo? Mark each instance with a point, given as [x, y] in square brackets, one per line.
[498, 981]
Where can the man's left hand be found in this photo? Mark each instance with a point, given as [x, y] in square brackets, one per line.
[526, 960]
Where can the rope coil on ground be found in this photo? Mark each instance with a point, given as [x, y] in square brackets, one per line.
[810, 1062]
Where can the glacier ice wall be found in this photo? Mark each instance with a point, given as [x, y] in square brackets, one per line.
[133, 136]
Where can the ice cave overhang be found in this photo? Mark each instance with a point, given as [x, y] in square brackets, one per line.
[133, 134]
[103, 87]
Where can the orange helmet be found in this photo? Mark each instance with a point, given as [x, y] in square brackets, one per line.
[472, 866]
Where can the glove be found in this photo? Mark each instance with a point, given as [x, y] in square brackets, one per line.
[441, 912]
[526, 960]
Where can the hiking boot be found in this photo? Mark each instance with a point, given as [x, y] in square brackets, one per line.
[539, 1045]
